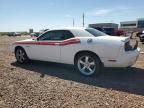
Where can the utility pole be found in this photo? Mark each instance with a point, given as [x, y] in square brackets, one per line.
[73, 22]
[83, 17]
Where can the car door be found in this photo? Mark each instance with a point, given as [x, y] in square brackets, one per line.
[68, 47]
[48, 47]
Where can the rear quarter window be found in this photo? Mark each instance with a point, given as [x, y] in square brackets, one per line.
[95, 32]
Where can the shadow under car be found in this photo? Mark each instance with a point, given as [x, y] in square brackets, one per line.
[130, 80]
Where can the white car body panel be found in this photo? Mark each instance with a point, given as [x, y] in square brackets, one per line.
[45, 52]
[107, 48]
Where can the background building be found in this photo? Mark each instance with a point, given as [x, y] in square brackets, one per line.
[128, 24]
[31, 30]
[108, 28]
[135, 26]
[140, 23]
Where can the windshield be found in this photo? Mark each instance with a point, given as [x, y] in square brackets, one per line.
[95, 32]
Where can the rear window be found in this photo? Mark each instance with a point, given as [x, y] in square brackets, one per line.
[95, 32]
[89, 32]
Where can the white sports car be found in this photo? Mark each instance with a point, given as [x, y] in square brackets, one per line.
[86, 48]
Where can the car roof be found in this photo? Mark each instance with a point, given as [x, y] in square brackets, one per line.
[69, 28]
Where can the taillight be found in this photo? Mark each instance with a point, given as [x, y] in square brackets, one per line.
[127, 46]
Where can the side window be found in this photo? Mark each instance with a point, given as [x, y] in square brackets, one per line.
[68, 34]
[56, 35]
[46, 36]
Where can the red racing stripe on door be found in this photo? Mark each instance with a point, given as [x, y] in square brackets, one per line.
[27, 43]
[61, 43]
[70, 41]
[47, 43]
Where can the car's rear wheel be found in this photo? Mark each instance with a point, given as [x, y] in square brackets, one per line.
[21, 55]
[88, 64]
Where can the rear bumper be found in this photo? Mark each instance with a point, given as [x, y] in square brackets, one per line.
[125, 59]
[129, 58]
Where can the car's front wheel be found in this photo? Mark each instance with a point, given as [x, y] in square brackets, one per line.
[88, 64]
[21, 55]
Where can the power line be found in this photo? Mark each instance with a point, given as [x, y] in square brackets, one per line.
[73, 22]
[83, 17]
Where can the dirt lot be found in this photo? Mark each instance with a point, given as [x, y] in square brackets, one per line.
[42, 84]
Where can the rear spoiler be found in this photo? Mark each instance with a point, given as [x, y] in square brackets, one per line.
[126, 39]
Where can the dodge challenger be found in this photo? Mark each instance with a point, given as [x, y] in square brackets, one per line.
[86, 48]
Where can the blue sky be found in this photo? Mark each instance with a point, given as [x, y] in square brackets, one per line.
[20, 15]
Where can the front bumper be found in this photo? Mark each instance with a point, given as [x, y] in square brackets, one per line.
[12, 48]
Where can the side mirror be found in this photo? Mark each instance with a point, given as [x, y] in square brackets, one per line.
[37, 39]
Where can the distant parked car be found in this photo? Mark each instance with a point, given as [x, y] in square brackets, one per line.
[86, 48]
[120, 33]
[14, 34]
[35, 34]
[110, 31]
[141, 36]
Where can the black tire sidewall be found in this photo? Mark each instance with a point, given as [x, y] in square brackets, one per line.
[25, 56]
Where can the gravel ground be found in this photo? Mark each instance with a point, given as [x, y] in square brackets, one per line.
[52, 85]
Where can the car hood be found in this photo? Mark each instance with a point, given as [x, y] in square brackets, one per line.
[27, 40]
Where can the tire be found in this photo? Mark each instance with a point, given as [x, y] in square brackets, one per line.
[88, 64]
[21, 55]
